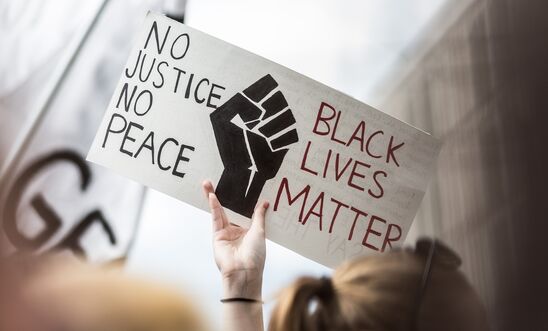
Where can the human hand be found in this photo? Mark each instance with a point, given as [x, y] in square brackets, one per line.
[239, 253]
[253, 130]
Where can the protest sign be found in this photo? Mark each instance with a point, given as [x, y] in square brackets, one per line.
[51, 199]
[343, 179]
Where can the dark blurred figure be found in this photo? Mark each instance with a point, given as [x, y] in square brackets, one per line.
[479, 81]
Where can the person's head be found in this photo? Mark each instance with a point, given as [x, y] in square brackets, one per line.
[61, 295]
[400, 290]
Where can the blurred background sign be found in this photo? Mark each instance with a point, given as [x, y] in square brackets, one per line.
[58, 68]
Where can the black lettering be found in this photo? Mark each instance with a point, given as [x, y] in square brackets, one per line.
[44, 210]
[179, 71]
[187, 45]
[150, 99]
[187, 92]
[127, 102]
[127, 137]
[110, 130]
[161, 74]
[72, 240]
[150, 146]
[149, 70]
[180, 158]
[134, 68]
[198, 100]
[154, 29]
[162, 149]
[214, 95]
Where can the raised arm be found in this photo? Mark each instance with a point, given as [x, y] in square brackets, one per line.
[240, 256]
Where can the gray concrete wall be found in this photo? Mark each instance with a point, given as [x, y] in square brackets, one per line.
[482, 89]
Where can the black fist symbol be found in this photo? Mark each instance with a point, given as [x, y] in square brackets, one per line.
[253, 131]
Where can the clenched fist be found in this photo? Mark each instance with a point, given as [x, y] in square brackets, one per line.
[253, 131]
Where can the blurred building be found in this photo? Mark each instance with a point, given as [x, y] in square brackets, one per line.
[478, 81]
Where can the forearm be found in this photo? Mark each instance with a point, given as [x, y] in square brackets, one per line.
[243, 316]
[240, 255]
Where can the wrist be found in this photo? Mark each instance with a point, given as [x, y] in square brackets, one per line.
[242, 284]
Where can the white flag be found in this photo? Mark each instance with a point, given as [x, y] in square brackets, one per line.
[51, 197]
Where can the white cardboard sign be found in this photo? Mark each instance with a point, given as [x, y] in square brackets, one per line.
[343, 179]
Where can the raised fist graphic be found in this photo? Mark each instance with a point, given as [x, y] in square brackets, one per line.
[253, 131]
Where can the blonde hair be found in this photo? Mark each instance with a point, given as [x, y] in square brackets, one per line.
[77, 297]
[383, 292]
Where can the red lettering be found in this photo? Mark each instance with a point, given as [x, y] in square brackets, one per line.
[305, 156]
[284, 184]
[358, 135]
[338, 174]
[324, 119]
[355, 173]
[339, 205]
[388, 239]
[370, 230]
[358, 214]
[369, 141]
[311, 211]
[335, 130]
[381, 193]
[326, 165]
[390, 151]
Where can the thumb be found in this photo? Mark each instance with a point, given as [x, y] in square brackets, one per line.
[258, 221]
[216, 212]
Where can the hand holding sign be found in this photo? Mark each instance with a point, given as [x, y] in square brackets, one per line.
[239, 253]
[253, 131]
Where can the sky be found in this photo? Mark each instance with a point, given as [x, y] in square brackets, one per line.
[348, 45]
